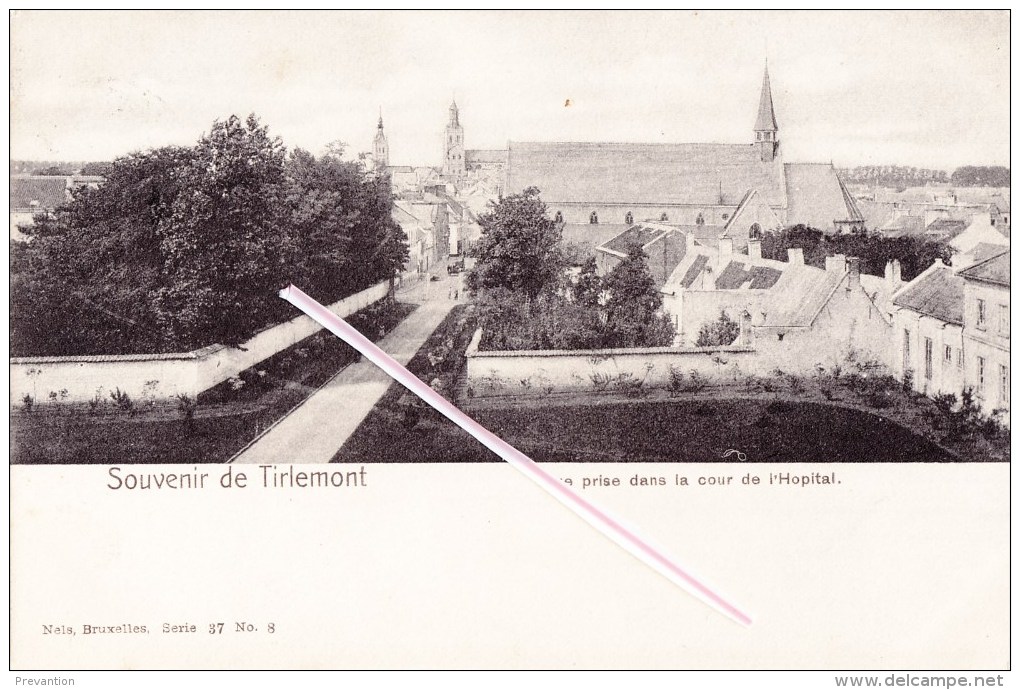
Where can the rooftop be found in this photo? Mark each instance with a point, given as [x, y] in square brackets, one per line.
[991, 270]
[938, 292]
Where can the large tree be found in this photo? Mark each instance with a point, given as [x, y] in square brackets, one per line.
[519, 249]
[633, 309]
[185, 247]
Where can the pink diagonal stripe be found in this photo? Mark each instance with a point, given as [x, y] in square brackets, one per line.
[587, 511]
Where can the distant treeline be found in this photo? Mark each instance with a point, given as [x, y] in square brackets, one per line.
[59, 167]
[905, 176]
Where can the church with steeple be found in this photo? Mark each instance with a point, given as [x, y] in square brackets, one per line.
[716, 191]
[380, 150]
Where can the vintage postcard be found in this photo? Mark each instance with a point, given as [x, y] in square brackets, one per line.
[738, 283]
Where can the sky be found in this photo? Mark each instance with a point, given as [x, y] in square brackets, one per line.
[927, 89]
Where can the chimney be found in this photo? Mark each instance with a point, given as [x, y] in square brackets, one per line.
[795, 255]
[854, 268]
[754, 248]
[725, 246]
[892, 276]
[836, 262]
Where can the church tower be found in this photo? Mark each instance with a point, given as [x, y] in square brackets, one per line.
[766, 131]
[454, 163]
[380, 150]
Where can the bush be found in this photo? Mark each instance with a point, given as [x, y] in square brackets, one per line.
[678, 383]
[722, 331]
[122, 401]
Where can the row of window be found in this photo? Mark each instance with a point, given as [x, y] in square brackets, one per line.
[593, 219]
[981, 366]
[982, 317]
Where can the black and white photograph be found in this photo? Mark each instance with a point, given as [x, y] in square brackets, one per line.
[671, 252]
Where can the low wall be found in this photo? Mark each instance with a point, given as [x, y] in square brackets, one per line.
[504, 372]
[79, 379]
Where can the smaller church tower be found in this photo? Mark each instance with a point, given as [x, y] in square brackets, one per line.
[766, 131]
[454, 164]
[380, 150]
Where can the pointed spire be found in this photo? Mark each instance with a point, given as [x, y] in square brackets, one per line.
[766, 121]
[454, 113]
[380, 118]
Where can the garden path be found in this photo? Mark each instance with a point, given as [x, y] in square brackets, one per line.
[316, 430]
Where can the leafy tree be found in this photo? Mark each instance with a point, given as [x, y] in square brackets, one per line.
[342, 235]
[633, 318]
[184, 247]
[914, 253]
[51, 171]
[981, 176]
[588, 287]
[519, 248]
[222, 245]
[101, 168]
[722, 331]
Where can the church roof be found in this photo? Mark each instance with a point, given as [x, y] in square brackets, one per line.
[766, 121]
[817, 197]
[654, 174]
[485, 155]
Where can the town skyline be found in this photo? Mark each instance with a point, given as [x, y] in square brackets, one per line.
[686, 77]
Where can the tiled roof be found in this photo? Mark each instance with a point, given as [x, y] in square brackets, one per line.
[800, 294]
[816, 196]
[638, 234]
[659, 174]
[992, 270]
[38, 192]
[946, 227]
[982, 251]
[695, 269]
[937, 292]
[485, 156]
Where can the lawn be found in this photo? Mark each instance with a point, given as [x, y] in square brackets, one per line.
[772, 421]
[224, 418]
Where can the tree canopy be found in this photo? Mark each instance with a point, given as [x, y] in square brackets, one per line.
[183, 247]
[914, 253]
[519, 249]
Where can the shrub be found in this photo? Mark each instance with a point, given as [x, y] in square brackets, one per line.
[678, 383]
[122, 401]
[27, 403]
[722, 331]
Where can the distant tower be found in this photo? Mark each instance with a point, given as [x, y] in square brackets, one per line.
[454, 164]
[766, 131]
[380, 150]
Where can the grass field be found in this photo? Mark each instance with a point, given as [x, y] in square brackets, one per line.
[226, 417]
[589, 428]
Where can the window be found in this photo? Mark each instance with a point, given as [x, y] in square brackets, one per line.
[1003, 385]
[980, 375]
[959, 358]
[906, 350]
[755, 232]
[1004, 320]
[949, 354]
[928, 359]
[664, 217]
[593, 219]
[629, 218]
[559, 216]
[700, 220]
[982, 314]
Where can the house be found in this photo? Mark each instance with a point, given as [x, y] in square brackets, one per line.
[32, 194]
[951, 330]
[798, 314]
[986, 331]
[979, 230]
[928, 352]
